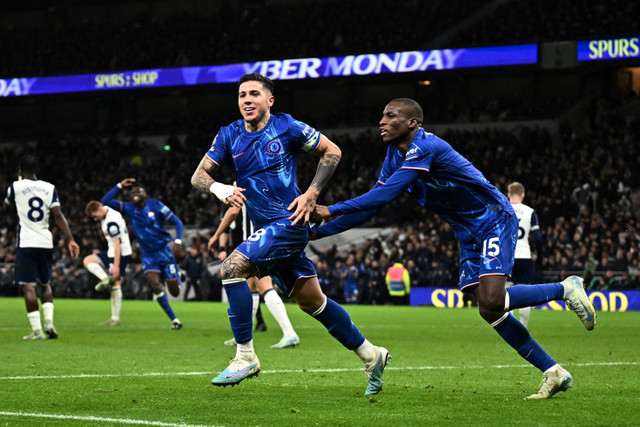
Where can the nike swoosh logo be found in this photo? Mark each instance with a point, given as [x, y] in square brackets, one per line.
[235, 156]
[587, 311]
[240, 372]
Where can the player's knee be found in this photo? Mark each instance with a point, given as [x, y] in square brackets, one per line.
[488, 315]
[309, 302]
[492, 301]
[174, 287]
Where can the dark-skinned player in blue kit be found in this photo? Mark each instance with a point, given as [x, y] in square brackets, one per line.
[147, 217]
[484, 222]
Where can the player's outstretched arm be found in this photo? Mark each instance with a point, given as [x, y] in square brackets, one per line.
[305, 203]
[109, 198]
[202, 180]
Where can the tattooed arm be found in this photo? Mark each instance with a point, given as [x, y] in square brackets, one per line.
[305, 203]
[203, 181]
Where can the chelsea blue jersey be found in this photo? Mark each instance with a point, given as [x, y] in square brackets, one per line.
[265, 163]
[147, 222]
[438, 178]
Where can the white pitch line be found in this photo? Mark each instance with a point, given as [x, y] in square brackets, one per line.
[293, 371]
[97, 419]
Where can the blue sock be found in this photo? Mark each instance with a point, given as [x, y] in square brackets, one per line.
[532, 295]
[339, 324]
[240, 309]
[164, 303]
[518, 337]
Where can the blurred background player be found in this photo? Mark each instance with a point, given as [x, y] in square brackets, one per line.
[262, 287]
[114, 260]
[34, 201]
[523, 266]
[147, 218]
[262, 151]
[194, 266]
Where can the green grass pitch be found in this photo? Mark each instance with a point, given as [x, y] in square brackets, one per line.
[448, 368]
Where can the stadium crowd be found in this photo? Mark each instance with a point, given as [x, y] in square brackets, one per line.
[584, 189]
[68, 38]
[583, 182]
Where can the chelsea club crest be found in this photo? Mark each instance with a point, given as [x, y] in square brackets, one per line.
[274, 147]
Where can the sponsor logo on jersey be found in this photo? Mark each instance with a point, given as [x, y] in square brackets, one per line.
[151, 214]
[412, 154]
[307, 131]
[492, 263]
[274, 147]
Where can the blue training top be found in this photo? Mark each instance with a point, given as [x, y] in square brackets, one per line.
[147, 222]
[437, 177]
[265, 163]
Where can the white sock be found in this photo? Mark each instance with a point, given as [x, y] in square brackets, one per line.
[256, 304]
[116, 302]
[367, 352]
[245, 350]
[276, 307]
[524, 315]
[507, 301]
[34, 319]
[47, 313]
[97, 270]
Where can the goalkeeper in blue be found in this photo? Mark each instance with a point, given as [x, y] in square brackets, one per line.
[484, 222]
[262, 150]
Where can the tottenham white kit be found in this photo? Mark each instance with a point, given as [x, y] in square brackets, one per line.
[33, 200]
[528, 222]
[114, 227]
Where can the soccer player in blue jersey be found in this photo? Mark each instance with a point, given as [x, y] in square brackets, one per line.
[261, 149]
[147, 218]
[439, 178]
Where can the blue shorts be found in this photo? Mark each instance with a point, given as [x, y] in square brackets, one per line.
[33, 265]
[107, 261]
[162, 262]
[492, 254]
[277, 250]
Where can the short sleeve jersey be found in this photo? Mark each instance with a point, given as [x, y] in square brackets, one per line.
[148, 223]
[114, 227]
[265, 163]
[527, 222]
[450, 185]
[33, 200]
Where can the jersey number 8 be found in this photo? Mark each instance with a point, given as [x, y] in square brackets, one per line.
[257, 235]
[36, 213]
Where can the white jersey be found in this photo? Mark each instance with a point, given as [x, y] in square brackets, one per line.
[528, 222]
[33, 200]
[114, 227]
[247, 225]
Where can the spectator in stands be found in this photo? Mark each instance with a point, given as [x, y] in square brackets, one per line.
[349, 276]
[398, 283]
